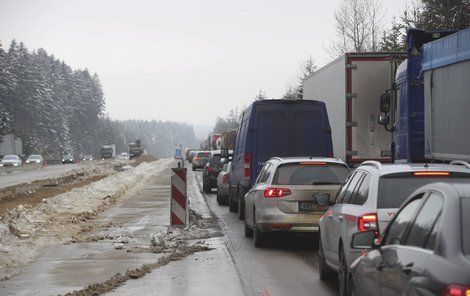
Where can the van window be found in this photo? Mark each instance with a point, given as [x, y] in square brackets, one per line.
[304, 174]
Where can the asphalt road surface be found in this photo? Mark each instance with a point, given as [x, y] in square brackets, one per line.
[19, 177]
[288, 266]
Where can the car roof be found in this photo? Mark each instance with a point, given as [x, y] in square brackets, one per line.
[385, 169]
[305, 158]
[462, 189]
[9, 155]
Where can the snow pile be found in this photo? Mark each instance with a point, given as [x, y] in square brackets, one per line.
[25, 228]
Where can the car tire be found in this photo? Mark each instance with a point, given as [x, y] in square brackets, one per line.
[324, 270]
[248, 230]
[206, 188]
[352, 288]
[241, 208]
[259, 237]
[342, 274]
[219, 198]
[232, 205]
[194, 168]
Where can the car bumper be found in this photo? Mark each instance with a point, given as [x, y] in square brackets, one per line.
[273, 219]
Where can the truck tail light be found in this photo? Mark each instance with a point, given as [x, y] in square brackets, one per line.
[367, 222]
[273, 192]
[247, 158]
[456, 290]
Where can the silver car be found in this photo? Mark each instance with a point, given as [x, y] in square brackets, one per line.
[367, 201]
[283, 198]
[11, 160]
[222, 184]
[34, 159]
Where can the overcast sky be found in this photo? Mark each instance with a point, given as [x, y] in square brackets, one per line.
[186, 61]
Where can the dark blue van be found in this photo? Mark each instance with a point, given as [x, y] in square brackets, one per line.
[271, 128]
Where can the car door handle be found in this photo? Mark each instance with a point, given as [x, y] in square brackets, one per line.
[407, 269]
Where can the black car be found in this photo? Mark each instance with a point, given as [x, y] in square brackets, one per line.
[211, 172]
[68, 159]
[425, 250]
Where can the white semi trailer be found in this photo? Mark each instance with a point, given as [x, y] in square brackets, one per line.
[351, 86]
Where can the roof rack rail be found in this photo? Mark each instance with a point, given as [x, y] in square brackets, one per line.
[375, 163]
[461, 162]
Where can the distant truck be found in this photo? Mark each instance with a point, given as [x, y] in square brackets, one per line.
[11, 145]
[213, 142]
[227, 144]
[350, 86]
[108, 151]
[430, 102]
[136, 149]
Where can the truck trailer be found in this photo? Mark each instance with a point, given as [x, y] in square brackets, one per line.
[349, 86]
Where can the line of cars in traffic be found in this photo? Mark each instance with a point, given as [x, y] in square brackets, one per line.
[382, 229]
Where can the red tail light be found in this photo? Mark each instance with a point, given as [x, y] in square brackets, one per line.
[272, 192]
[367, 222]
[197, 158]
[210, 169]
[247, 158]
[456, 290]
[225, 178]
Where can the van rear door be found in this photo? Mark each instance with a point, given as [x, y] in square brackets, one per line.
[271, 134]
[310, 130]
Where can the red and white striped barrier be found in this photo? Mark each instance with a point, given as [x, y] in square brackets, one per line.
[179, 208]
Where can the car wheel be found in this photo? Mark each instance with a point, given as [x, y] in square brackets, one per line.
[241, 208]
[248, 231]
[232, 205]
[342, 274]
[206, 188]
[219, 198]
[323, 269]
[259, 237]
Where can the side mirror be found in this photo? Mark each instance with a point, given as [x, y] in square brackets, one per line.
[384, 119]
[385, 102]
[363, 240]
[322, 199]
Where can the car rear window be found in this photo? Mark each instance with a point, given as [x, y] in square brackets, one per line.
[310, 174]
[466, 225]
[204, 154]
[394, 189]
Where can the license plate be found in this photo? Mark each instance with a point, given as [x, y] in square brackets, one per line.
[306, 206]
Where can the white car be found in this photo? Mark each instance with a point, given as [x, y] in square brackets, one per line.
[367, 201]
[34, 159]
[11, 160]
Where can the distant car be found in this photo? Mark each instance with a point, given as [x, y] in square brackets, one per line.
[123, 155]
[286, 194]
[368, 200]
[222, 184]
[211, 172]
[87, 158]
[424, 251]
[200, 159]
[11, 160]
[68, 159]
[190, 156]
[34, 159]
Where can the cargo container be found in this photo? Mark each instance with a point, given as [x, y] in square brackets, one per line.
[350, 86]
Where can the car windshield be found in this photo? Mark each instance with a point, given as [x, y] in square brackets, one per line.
[34, 157]
[465, 210]
[310, 174]
[204, 155]
[68, 156]
[394, 189]
[10, 157]
[87, 156]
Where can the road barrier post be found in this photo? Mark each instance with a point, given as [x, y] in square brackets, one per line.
[179, 205]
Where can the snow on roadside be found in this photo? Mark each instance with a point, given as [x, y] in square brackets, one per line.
[25, 229]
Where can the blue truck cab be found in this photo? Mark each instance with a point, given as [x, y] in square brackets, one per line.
[407, 116]
[271, 128]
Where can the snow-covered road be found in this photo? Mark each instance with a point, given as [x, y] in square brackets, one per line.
[19, 177]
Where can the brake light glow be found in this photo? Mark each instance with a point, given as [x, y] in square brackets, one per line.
[273, 192]
[431, 174]
[367, 222]
[197, 158]
[313, 163]
[247, 158]
[210, 169]
[456, 290]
